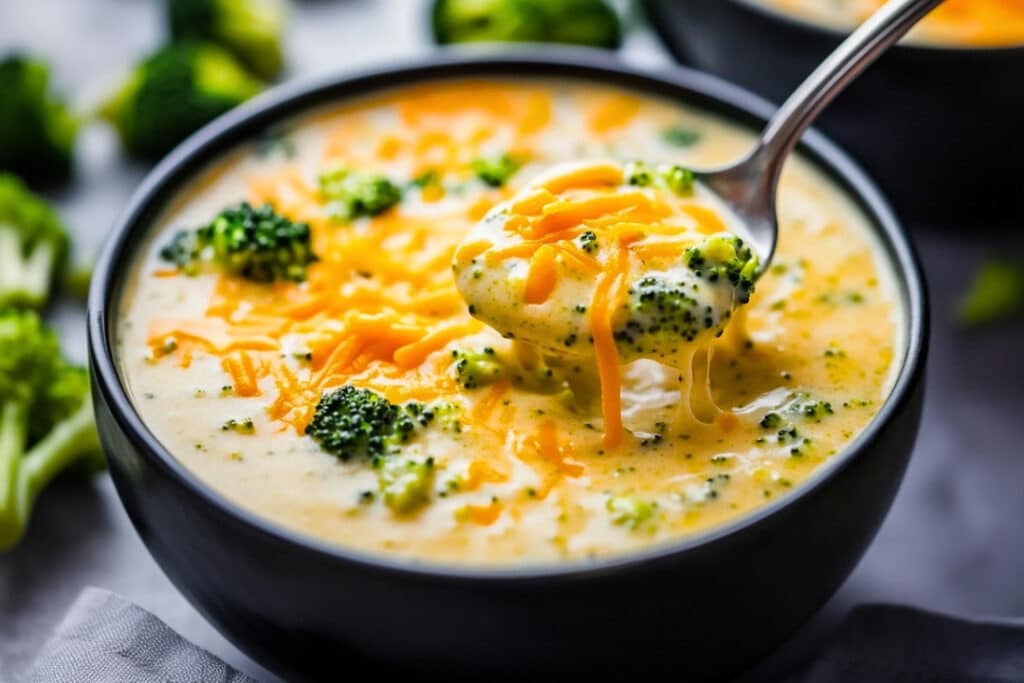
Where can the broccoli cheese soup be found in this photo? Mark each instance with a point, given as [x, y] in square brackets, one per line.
[990, 23]
[389, 325]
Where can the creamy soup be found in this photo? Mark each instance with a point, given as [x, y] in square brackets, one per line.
[501, 450]
[956, 22]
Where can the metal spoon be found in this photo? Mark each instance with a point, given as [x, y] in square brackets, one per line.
[749, 186]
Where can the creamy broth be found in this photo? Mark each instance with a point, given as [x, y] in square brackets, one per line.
[522, 472]
[955, 22]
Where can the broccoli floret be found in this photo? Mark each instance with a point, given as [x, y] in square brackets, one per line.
[996, 293]
[632, 511]
[250, 29]
[576, 22]
[724, 257]
[33, 246]
[243, 426]
[426, 179]
[358, 193]
[446, 415]
[672, 177]
[185, 250]
[354, 422]
[46, 421]
[257, 244]
[476, 369]
[662, 309]
[809, 408]
[771, 421]
[175, 92]
[588, 241]
[678, 179]
[679, 136]
[405, 483]
[38, 129]
[495, 171]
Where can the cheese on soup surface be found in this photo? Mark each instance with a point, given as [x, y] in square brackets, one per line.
[294, 331]
[991, 23]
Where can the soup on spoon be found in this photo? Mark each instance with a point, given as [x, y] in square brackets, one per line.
[655, 250]
[607, 264]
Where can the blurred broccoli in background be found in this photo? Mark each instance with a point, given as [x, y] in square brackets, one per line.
[37, 131]
[996, 293]
[46, 421]
[33, 246]
[576, 22]
[175, 92]
[249, 29]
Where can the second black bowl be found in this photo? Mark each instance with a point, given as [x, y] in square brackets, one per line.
[936, 125]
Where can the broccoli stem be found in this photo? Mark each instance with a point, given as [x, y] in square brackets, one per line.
[71, 439]
[25, 476]
[10, 259]
[38, 272]
[24, 279]
[13, 436]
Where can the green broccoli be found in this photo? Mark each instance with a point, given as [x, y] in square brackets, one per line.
[672, 177]
[46, 421]
[680, 136]
[257, 244]
[660, 310]
[475, 369]
[663, 308]
[725, 257]
[809, 408]
[576, 22]
[173, 93]
[495, 171]
[588, 241]
[996, 293]
[405, 483]
[446, 415]
[244, 426]
[352, 422]
[33, 246]
[39, 131]
[250, 29]
[632, 512]
[358, 193]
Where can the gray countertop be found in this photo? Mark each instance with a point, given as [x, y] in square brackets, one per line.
[953, 541]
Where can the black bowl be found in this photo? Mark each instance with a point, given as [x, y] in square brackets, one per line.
[937, 126]
[718, 601]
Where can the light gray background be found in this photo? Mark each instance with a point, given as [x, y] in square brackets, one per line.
[953, 541]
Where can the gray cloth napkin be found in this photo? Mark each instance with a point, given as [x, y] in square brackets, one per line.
[888, 643]
[106, 639]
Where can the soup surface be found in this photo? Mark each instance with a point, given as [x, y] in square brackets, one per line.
[957, 22]
[512, 463]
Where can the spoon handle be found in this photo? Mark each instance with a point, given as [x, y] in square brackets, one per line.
[856, 53]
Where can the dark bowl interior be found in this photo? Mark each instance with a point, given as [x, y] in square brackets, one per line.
[296, 604]
[935, 125]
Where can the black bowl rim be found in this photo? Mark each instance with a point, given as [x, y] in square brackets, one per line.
[838, 34]
[295, 99]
